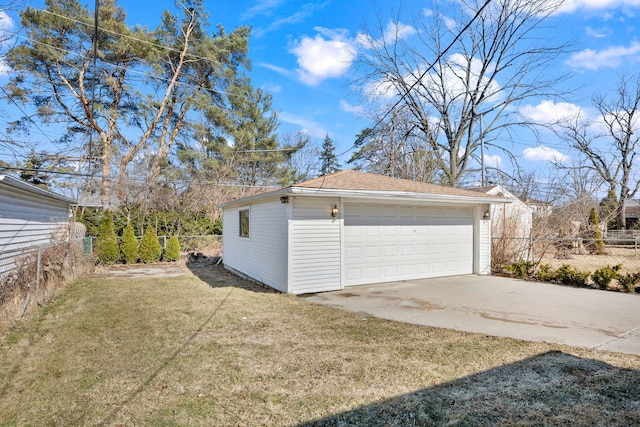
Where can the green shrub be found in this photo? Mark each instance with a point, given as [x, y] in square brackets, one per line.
[628, 281]
[172, 253]
[568, 276]
[603, 277]
[106, 247]
[150, 248]
[521, 269]
[544, 273]
[129, 245]
[596, 244]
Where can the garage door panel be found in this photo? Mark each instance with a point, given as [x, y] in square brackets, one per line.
[387, 243]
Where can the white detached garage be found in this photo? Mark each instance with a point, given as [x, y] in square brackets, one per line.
[353, 228]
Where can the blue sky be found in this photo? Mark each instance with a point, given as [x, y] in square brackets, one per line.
[303, 53]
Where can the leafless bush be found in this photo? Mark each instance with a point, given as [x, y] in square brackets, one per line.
[39, 274]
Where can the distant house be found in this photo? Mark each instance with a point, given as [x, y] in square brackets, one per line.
[632, 213]
[513, 220]
[352, 228]
[29, 216]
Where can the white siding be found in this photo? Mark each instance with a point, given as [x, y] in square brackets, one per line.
[315, 245]
[482, 244]
[263, 255]
[28, 220]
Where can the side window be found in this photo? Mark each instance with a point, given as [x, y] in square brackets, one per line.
[244, 223]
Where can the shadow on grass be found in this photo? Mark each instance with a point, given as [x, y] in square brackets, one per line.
[217, 276]
[552, 388]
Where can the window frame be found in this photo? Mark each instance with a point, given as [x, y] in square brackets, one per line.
[244, 217]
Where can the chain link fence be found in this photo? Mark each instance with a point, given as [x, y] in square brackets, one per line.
[30, 276]
[582, 254]
[210, 245]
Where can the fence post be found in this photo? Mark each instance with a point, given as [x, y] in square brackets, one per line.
[38, 271]
[533, 249]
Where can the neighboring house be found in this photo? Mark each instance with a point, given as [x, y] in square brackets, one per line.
[632, 213]
[353, 228]
[29, 216]
[513, 220]
[540, 209]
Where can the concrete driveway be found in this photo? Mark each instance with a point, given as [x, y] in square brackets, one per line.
[502, 307]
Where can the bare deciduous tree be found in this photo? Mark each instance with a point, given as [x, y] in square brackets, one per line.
[611, 141]
[461, 96]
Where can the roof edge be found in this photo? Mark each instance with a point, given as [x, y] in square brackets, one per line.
[370, 194]
[23, 185]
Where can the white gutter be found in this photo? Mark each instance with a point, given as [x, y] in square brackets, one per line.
[370, 194]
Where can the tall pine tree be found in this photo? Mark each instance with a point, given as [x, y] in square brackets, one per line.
[328, 157]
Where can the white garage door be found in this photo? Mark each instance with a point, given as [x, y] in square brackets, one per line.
[388, 243]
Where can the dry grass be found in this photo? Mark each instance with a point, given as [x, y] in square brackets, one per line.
[212, 349]
[28, 287]
[582, 260]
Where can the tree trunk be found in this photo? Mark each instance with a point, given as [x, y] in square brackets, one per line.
[622, 217]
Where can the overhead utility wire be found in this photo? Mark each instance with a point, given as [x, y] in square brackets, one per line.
[140, 180]
[131, 70]
[13, 101]
[429, 68]
[115, 33]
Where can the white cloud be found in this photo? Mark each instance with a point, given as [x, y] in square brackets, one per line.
[395, 31]
[262, 7]
[6, 24]
[301, 13]
[272, 87]
[548, 112]
[275, 68]
[345, 106]
[493, 161]
[449, 23]
[309, 127]
[328, 54]
[610, 57]
[570, 6]
[542, 153]
[599, 33]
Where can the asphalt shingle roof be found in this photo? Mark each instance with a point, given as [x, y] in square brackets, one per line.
[354, 180]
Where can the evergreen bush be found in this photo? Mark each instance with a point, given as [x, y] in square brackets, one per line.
[568, 276]
[172, 253]
[603, 276]
[129, 245]
[106, 247]
[628, 281]
[596, 244]
[150, 248]
[545, 273]
[521, 269]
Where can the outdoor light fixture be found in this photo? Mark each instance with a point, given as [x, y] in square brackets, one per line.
[334, 211]
[486, 214]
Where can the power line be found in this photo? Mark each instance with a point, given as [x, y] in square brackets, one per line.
[132, 70]
[429, 68]
[105, 30]
[140, 180]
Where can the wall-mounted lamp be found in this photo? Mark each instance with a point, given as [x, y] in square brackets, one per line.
[284, 200]
[486, 214]
[334, 211]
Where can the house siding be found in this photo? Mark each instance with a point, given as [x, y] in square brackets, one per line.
[28, 220]
[315, 247]
[483, 242]
[263, 255]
